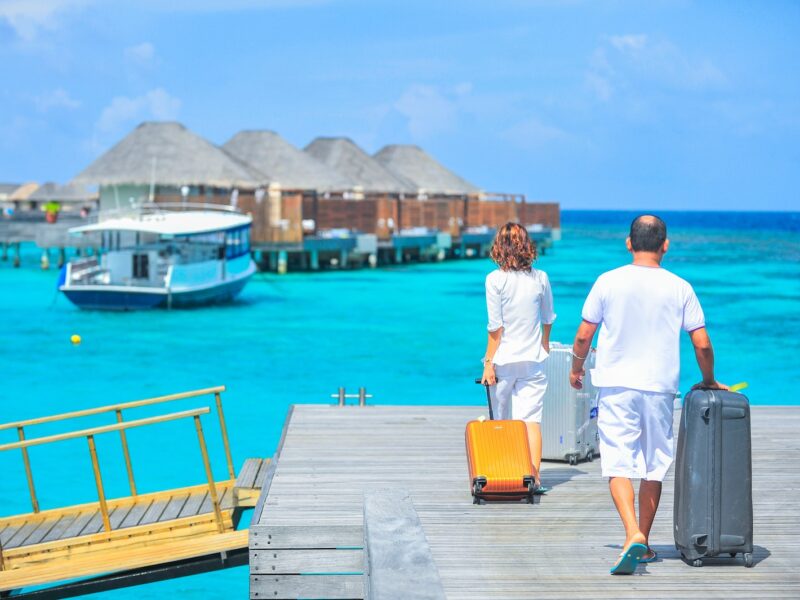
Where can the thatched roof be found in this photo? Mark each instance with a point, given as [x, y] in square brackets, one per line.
[169, 154]
[416, 165]
[286, 165]
[69, 192]
[7, 188]
[348, 159]
[24, 191]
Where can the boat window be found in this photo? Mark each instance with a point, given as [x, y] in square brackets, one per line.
[141, 264]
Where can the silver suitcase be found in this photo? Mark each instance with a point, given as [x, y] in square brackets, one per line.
[569, 416]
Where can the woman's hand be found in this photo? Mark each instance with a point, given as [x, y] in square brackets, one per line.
[489, 377]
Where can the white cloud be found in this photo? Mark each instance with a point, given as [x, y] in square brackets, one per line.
[532, 133]
[28, 17]
[627, 62]
[141, 55]
[58, 98]
[427, 110]
[124, 112]
[629, 41]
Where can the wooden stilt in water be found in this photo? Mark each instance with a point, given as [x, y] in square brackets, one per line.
[17, 257]
[62, 257]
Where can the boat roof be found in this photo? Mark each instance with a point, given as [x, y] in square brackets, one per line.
[170, 223]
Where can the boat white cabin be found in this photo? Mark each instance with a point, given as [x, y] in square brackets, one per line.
[162, 255]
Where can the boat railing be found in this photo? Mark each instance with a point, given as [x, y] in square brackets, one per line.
[140, 211]
[122, 427]
[117, 409]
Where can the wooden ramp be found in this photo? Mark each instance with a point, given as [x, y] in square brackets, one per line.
[307, 535]
[116, 541]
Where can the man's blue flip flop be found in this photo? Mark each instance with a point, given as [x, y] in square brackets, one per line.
[541, 490]
[650, 559]
[629, 559]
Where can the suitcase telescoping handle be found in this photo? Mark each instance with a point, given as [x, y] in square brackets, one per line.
[488, 398]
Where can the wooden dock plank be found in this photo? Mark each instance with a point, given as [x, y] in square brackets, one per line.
[331, 587]
[81, 566]
[174, 506]
[559, 548]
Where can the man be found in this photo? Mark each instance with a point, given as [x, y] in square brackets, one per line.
[642, 309]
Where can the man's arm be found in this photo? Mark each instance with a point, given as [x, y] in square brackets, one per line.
[704, 353]
[580, 350]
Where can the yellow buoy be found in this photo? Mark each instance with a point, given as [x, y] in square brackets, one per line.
[738, 387]
[75, 339]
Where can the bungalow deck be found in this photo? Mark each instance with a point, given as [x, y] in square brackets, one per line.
[321, 527]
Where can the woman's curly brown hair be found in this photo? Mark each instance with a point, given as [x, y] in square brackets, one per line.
[513, 249]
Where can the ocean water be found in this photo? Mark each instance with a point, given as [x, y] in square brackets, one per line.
[411, 334]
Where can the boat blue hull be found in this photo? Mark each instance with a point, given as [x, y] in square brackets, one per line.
[95, 299]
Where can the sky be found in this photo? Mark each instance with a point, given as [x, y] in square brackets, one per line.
[668, 104]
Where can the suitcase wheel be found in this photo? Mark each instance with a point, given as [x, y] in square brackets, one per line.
[573, 459]
[697, 562]
[748, 559]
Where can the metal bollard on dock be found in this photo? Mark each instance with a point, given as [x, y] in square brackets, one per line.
[341, 395]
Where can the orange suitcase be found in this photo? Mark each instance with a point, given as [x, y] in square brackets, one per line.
[499, 457]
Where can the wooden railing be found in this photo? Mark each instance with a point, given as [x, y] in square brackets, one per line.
[117, 409]
[90, 434]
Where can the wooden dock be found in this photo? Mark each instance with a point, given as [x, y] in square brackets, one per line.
[307, 537]
[134, 539]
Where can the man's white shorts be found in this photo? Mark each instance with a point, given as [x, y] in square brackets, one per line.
[635, 428]
[519, 393]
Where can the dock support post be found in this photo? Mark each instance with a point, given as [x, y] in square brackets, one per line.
[101, 495]
[28, 472]
[45, 260]
[17, 258]
[303, 260]
[372, 260]
[212, 488]
[224, 429]
[398, 255]
[283, 261]
[272, 261]
[314, 256]
[5, 251]
[62, 257]
[126, 454]
[343, 259]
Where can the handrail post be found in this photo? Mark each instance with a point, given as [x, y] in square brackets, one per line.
[212, 488]
[99, 482]
[28, 472]
[128, 466]
[224, 429]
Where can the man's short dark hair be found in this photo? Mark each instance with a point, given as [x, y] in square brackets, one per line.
[648, 233]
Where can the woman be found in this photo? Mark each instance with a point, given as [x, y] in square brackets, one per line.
[520, 306]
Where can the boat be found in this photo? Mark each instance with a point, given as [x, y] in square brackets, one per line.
[162, 255]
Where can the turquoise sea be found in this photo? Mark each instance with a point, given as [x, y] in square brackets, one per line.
[411, 334]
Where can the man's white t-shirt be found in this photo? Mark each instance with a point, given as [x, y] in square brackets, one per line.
[519, 302]
[641, 311]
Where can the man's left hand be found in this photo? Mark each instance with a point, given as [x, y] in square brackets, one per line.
[576, 379]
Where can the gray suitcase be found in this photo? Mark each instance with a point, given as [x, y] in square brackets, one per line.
[713, 478]
[569, 416]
